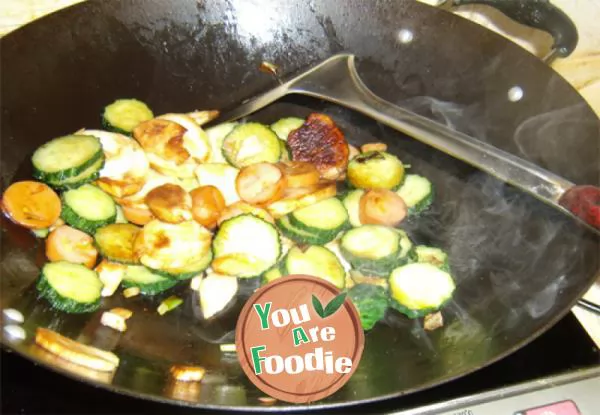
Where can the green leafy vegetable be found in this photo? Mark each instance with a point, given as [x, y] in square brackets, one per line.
[371, 301]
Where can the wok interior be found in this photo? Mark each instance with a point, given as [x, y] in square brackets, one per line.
[519, 265]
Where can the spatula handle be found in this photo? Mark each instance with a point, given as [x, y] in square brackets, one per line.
[337, 81]
[583, 202]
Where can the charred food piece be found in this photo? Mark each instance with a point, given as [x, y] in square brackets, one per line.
[321, 142]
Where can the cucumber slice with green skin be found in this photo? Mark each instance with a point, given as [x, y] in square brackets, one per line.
[284, 126]
[123, 115]
[189, 271]
[286, 153]
[325, 218]
[177, 251]
[272, 274]
[351, 201]
[251, 143]
[431, 255]
[417, 193]
[375, 170]
[299, 235]
[65, 157]
[149, 283]
[216, 135]
[406, 247]
[89, 175]
[237, 237]
[69, 287]
[418, 289]
[371, 302]
[375, 250]
[88, 208]
[317, 261]
[115, 242]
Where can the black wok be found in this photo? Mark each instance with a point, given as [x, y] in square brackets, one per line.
[519, 264]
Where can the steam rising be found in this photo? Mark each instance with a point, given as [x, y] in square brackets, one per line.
[501, 250]
[549, 139]
[455, 116]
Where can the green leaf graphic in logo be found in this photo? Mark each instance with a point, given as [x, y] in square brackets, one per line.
[335, 304]
[317, 306]
[330, 308]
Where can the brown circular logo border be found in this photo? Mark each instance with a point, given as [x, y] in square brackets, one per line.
[273, 390]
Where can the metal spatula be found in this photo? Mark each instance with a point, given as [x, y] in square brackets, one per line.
[336, 80]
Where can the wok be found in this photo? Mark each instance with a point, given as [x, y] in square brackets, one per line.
[519, 264]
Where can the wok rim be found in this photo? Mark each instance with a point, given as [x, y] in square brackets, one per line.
[290, 408]
[293, 408]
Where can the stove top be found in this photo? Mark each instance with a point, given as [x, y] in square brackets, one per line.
[564, 348]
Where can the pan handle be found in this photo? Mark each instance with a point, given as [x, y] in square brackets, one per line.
[539, 14]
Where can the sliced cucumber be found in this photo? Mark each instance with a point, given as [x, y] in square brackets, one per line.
[88, 208]
[417, 193]
[272, 274]
[89, 175]
[299, 198]
[317, 261]
[351, 201]
[69, 287]
[326, 218]
[216, 135]
[65, 157]
[235, 247]
[149, 283]
[251, 143]
[418, 289]
[406, 247]
[431, 255]
[178, 251]
[300, 235]
[375, 170]
[284, 126]
[123, 115]
[375, 250]
[115, 242]
[188, 271]
[358, 278]
[334, 246]
[371, 302]
[286, 153]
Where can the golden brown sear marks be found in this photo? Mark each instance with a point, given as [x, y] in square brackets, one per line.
[120, 188]
[202, 117]
[170, 203]
[163, 138]
[365, 148]
[321, 142]
[161, 240]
